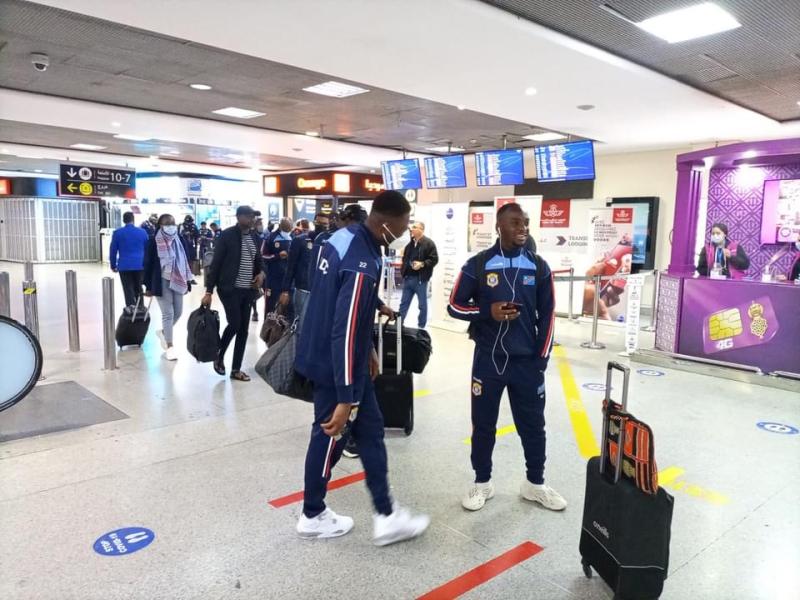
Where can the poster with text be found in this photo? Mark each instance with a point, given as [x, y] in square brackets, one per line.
[481, 228]
[449, 229]
[611, 252]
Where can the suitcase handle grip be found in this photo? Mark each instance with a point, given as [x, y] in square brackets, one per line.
[626, 375]
[626, 372]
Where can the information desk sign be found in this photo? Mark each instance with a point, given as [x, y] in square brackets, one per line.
[84, 181]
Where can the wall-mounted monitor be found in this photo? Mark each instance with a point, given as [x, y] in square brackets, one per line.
[445, 172]
[780, 217]
[565, 162]
[645, 229]
[402, 174]
[500, 167]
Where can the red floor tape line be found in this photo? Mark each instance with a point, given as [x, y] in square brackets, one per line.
[332, 485]
[482, 574]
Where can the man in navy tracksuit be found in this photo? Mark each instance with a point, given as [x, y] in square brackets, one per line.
[336, 352]
[275, 253]
[506, 293]
[298, 276]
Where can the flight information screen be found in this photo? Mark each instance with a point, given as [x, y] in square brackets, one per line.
[499, 167]
[445, 172]
[402, 174]
[565, 162]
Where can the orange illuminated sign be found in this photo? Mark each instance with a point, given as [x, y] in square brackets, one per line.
[311, 184]
[271, 185]
[373, 186]
[341, 183]
[5, 187]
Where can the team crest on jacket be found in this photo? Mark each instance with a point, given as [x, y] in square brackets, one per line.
[277, 244]
[309, 244]
[492, 279]
[477, 387]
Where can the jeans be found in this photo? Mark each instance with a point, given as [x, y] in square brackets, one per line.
[131, 285]
[171, 303]
[238, 304]
[414, 286]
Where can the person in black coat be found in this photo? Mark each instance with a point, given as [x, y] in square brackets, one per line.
[237, 273]
[419, 259]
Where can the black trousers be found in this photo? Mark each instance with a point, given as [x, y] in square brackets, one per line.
[238, 304]
[131, 285]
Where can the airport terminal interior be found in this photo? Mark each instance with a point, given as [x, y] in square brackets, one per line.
[585, 215]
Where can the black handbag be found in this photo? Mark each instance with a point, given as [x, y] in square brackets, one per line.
[202, 340]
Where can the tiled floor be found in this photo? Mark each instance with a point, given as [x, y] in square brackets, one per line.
[200, 457]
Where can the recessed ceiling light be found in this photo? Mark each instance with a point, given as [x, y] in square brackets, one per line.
[461, 107]
[37, 170]
[334, 89]
[798, 103]
[547, 136]
[445, 149]
[690, 23]
[312, 133]
[750, 154]
[530, 91]
[238, 113]
[232, 156]
[116, 124]
[200, 86]
[5, 151]
[131, 137]
[317, 162]
[87, 147]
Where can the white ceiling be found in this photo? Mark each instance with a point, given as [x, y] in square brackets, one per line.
[459, 52]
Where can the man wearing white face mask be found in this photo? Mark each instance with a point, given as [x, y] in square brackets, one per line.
[275, 252]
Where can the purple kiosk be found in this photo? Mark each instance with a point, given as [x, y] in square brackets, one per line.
[752, 322]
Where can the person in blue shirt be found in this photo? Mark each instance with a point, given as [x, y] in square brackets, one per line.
[275, 253]
[298, 267]
[506, 293]
[337, 354]
[127, 257]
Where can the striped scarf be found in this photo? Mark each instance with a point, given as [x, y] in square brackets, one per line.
[173, 259]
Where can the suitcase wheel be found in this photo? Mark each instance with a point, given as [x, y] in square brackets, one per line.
[409, 428]
[587, 569]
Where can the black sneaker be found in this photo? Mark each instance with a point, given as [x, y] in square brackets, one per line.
[254, 318]
[350, 450]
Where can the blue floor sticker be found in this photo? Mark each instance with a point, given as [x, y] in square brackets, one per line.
[124, 541]
[778, 428]
[594, 387]
[651, 372]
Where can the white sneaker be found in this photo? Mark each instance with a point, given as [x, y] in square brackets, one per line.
[162, 339]
[171, 353]
[477, 495]
[325, 525]
[399, 526]
[544, 495]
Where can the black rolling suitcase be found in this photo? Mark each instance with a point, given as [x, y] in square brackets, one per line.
[133, 324]
[417, 348]
[626, 531]
[395, 391]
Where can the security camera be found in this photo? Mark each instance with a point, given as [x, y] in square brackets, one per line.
[40, 61]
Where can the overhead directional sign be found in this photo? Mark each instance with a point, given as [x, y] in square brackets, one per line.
[85, 181]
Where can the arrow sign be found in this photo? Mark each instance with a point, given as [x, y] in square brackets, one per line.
[561, 240]
[96, 181]
[72, 187]
[72, 173]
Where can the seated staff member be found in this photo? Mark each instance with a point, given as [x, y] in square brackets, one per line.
[336, 352]
[722, 256]
[507, 295]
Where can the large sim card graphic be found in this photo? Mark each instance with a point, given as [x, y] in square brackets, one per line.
[749, 324]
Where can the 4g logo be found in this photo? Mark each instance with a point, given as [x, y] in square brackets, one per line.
[725, 344]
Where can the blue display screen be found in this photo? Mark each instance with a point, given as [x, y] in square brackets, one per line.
[499, 167]
[402, 174]
[565, 162]
[445, 172]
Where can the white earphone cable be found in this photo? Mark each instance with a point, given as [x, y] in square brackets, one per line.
[501, 334]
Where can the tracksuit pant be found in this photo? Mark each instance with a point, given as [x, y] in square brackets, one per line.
[366, 427]
[526, 391]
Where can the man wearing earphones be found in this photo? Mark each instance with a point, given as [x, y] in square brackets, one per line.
[506, 293]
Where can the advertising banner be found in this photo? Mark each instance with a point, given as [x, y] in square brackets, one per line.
[448, 227]
[481, 228]
[611, 252]
[634, 292]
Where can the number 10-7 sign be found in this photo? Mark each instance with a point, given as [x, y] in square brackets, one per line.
[93, 181]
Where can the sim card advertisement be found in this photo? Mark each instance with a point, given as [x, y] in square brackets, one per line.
[743, 322]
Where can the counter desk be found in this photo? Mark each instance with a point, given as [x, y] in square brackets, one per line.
[744, 322]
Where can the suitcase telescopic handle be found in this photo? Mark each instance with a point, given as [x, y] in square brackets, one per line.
[380, 345]
[614, 366]
[399, 325]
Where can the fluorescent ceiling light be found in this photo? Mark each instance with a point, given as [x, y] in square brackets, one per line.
[690, 23]
[446, 149]
[530, 91]
[312, 133]
[547, 136]
[269, 167]
[200, 86]
[37, 170]
[116, 124]
[235, 156]
[318, 162]
[238, 113]
[334, 89]
[5, 151]
[87, 147]
[133, 138]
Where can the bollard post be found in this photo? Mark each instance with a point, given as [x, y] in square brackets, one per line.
[109, 348]
[654, 303]
[594, 345]
[72, 312]
[29, 302]
[570, 314]
[5, 295]
[28, 271]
